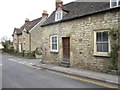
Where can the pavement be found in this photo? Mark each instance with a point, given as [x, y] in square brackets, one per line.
[81, 72]
[114, 79]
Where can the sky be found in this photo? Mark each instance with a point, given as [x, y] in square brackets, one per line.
[14, 12]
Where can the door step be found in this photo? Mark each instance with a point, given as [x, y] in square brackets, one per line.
[65, 63]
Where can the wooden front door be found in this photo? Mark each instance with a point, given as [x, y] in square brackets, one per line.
[66, 48]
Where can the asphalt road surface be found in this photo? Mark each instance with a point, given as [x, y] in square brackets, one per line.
[16, 75]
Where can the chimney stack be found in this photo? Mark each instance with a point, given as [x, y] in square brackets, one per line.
[27, 20]
[59, 3]
[44, 14]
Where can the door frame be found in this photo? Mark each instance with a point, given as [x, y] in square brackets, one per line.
[63, 48]
[20, 47]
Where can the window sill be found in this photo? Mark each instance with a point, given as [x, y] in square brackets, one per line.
[54, 52]
[101, 55]
[58, 20]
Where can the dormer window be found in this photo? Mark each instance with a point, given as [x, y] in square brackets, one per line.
[114, 3]
[58, 15]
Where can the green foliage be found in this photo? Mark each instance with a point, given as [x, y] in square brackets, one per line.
[112, 68]
[11, 47]
[114, 54]
[30, 54]
[8, 51]
[113, 32]
[6, 44]
[38, 51]
[18, 54]
[114, 47]
[8, 47]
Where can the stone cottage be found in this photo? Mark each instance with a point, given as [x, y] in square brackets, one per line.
[35, 32]
[26, 38]
[17, 34]
[76, 34]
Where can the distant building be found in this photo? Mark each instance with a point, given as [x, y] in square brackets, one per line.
[16, 35]
[27, 37]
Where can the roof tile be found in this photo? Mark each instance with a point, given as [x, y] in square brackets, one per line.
[77, 9]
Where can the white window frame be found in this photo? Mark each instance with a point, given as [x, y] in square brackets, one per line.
[117, 1]
[95, 46]
[51, 43]
[56, 15]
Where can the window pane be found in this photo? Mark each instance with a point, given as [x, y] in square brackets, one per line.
[114, 2]
[105, 47]
[54, 43]
[54, 39]
[98, 35]
[99, 47]
[53, 46]
[119, 2]
[59, 15]
[105, 36]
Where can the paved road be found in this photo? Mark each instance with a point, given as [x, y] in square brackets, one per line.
[16, 75]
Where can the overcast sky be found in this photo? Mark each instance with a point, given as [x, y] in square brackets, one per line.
[14, 12]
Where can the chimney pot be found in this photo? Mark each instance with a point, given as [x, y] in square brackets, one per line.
[59, 3]
[44, 13]
[27, 20]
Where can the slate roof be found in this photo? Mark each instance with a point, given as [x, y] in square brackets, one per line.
[29, 25]
[78, 9]
[18, 31]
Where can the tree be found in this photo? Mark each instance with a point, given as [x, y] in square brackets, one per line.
[6, 42]
[4, 39]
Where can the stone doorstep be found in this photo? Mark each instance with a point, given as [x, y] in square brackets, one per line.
[77, 74]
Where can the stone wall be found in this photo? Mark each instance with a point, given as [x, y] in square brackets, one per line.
[36, 36]
[119, 41]
[15, 42]
[81, 33]
[20, 43]
[25, 41]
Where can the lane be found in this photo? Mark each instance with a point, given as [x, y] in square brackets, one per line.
[16, 75]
